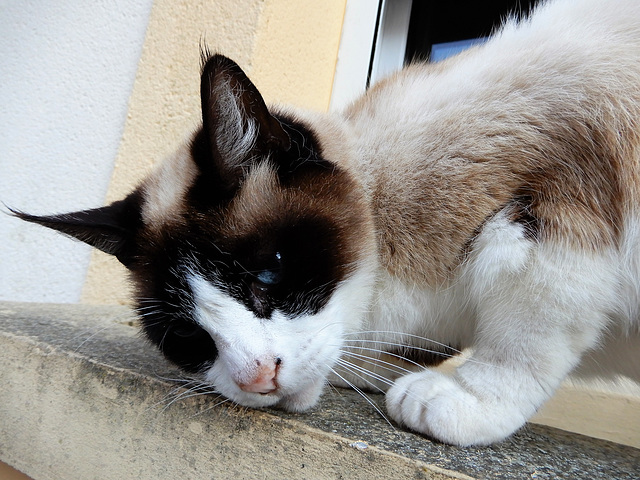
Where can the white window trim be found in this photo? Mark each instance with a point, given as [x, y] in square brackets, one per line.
[357, 44]
[391, 42]
[354, 54]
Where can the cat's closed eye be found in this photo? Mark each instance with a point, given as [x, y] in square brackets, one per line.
[266, 278]
[186, 330]
[272, 274]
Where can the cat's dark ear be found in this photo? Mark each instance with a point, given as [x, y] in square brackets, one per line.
[236, 122]
[111, 229]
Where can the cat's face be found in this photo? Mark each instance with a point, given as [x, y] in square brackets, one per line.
[249, 249]
[254, 291]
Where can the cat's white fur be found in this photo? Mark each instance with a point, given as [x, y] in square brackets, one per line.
[166, 187]
[530, 309]
[537, 309]
[307, 346]
[234, 139]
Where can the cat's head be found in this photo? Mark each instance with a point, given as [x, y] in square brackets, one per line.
[249, 248]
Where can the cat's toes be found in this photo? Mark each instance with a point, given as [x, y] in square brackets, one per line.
[426, 402]
[437, 406]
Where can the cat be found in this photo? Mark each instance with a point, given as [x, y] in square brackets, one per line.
[488, 202]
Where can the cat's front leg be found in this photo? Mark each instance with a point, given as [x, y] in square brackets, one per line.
[489, 397]
[533, 325]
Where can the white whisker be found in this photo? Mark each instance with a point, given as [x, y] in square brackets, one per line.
[354, 369]
[87, 339]
[402, 334]
[385, 352]
[363, 395]
[378, 362]
[217, 404]
[187, 388]
[191, 392]
[359, 344]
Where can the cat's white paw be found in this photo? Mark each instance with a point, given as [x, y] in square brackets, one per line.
[438, 406]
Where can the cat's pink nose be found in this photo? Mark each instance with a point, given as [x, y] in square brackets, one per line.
[264, 380]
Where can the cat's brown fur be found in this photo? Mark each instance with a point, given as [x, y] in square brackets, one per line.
[570, 154]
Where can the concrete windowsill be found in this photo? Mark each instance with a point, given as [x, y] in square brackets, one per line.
[83, 396]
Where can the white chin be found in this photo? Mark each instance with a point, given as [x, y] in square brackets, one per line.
[295, 402]
[303, 400]
[254, 400]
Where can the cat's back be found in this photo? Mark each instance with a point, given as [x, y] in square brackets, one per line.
[568, 48]
[542, 121]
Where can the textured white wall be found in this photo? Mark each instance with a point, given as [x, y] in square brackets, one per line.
[66, 72]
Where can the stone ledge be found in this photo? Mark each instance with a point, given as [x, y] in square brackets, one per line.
[85, 397]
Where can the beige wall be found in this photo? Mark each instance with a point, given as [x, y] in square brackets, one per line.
[289, 49]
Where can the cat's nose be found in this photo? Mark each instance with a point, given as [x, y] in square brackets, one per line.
[265, 378]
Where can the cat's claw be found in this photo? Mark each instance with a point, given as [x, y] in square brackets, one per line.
[438, 406]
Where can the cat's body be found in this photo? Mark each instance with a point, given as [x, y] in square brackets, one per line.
[489, 202]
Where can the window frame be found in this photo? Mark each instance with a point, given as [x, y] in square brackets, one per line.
[372, 45]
